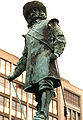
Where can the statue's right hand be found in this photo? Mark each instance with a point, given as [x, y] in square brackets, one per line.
[11, 77]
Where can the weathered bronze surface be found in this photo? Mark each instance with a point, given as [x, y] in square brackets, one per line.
[44, 43]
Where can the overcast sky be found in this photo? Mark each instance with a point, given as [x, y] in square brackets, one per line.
[70, 15]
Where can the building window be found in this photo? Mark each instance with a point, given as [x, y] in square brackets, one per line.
[72, 98]
[24, 75]
[1, 117]
[1, 103]
[24, 109]
[50, 117]
[50, 107]
[13, 67]
[7, 68]
[6, 106]
[2, 69]
[30, 114]
[55, 92]
[24, 97]
[18, 110]
[30, 98]
[73, 115]
[78, 116]
[34, 112]
[7, 87]
[69, 114]
[6, 118]
[13, 91]
[34, 102]
[19, 92]
[2, 84]
[18, 107]
[20, 78]
[54, 107]
[13, 107]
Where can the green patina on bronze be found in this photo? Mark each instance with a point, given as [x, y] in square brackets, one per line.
[44, 43]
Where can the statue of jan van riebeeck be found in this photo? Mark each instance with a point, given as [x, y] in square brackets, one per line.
[44, 43]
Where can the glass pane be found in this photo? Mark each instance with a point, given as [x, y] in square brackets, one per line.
[74, 115]
[55, 92]
[30, 98]
[1, 103]
[69, 113]
[34, 112]
[13, 107]
[13, 91]
[20, 78]
[34, 102]
[50, 117]
[50, 107]
[24, 98]
[54, 107]
[18, 110]
[6, 118]
[24, 75]
[7, 68]
[1, 84]
[24, 109]
[1, 117]
[30, 114]
[13, 67]
[78, 116]
[2, 70]
[19, 92]
[6, 106]
[7, 87]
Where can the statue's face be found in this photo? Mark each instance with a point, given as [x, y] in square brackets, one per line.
[35, 14]
[42, 15]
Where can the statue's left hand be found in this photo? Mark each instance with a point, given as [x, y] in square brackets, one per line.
[11, 77]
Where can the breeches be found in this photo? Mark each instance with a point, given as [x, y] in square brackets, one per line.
[43, 85]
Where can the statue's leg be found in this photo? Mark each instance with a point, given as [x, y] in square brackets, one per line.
[45, 101]
[45, 93]
[43, 106]
[38, 106]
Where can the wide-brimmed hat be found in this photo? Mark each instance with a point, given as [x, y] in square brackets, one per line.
[33, 4]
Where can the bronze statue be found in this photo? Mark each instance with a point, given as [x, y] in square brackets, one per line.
[44, 43]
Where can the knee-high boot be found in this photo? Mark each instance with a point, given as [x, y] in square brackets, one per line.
[45, 101]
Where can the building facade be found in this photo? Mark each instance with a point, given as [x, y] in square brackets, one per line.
[10, 108]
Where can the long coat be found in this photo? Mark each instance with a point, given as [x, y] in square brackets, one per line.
[42, 39]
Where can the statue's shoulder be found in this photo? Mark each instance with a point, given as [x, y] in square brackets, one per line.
[45, 23]
[53, 21]
[50, 21]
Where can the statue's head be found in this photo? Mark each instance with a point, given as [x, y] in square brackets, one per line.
[34, 10]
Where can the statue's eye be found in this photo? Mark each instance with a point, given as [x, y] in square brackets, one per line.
[34, 10]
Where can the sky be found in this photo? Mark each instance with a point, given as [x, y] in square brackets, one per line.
[70, 16]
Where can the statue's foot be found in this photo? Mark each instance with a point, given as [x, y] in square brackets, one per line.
[39, 116]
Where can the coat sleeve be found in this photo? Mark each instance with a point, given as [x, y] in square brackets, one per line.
[21, 65]
[59, 39]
